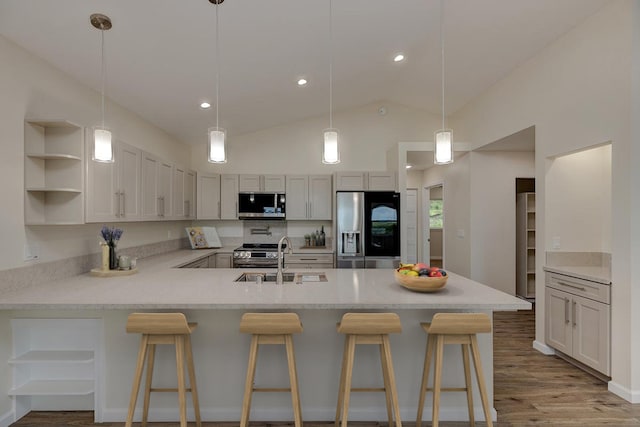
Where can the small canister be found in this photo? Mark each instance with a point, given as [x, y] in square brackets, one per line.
[124, 262]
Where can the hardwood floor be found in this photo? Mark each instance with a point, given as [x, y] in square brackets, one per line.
[529, 389]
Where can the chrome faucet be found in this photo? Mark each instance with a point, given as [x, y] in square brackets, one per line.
[279, 280]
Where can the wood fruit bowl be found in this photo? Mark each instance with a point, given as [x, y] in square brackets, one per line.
[421, 283]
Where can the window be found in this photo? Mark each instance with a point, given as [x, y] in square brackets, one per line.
[435, 214]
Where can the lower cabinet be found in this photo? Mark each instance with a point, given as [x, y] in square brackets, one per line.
[223, 260]
[55, 364]
[310, 261]
[578, 326]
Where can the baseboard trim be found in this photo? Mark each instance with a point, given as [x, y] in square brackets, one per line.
[543, 348]
[6, 419]
[284, 413]
[631, 396]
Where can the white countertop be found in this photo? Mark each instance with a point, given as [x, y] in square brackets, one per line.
[597, 274]
[159, 285]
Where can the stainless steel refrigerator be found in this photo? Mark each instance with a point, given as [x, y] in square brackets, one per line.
[368, 229]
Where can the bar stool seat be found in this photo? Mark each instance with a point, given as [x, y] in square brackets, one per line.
[368, 328]
[271, 328]
[454, 328]
[163, 328]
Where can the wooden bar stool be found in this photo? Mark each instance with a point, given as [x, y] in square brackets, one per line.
[368, 328]
[163, 328]
[454, 328]
[271, 328]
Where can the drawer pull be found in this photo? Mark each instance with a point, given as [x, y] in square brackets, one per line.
[573, 286]
[308, 259]
[574, 314]
[566, 310]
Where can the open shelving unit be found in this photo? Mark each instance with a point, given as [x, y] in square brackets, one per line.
[55, 364]
[53, 172]
[526, 245]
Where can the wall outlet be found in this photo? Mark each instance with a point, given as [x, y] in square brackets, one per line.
[31, 252]
[555, 242]
[460, 233]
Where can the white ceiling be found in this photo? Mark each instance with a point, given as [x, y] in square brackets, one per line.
[160, 53]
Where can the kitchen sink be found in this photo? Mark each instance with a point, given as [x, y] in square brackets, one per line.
[286, 277]
[266, 277]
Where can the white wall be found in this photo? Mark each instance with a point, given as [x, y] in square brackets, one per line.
[31, 87]
[578, 200]
[365, 138]
[493, 215]
[577, 92]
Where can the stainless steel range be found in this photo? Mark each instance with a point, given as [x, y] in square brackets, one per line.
[256, 255]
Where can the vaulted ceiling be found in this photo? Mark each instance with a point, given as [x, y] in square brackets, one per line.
[160, 54]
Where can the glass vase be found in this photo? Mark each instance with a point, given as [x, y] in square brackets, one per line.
[113, 260]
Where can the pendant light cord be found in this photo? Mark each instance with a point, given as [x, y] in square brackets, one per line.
[442, 54]
[217, 69]
[102, 72]
[330, 66]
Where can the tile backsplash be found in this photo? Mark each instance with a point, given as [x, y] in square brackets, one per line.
[578, 259]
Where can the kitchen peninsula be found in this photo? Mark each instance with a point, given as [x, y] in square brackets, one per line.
[212, 298]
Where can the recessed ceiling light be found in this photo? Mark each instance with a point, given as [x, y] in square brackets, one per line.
[398, 58]
[409, 166]
[205, 105]
[302, 82]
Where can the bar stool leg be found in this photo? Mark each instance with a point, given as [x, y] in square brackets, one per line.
[142, 352]
[437, 379]
[147, 387]
[179, 342]
[343, 370]
[392, 379]
[248, 385]
[192, 379]
[480, 377]
[467, 382]
[347, 379]
[387, 389]
[425, 377]
[293, 380]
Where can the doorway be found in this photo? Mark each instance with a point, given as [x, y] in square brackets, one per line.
[433, 225]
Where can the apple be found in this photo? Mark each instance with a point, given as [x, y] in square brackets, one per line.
[420, 266]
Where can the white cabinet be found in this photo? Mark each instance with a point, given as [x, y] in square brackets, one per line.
[184, 193]
[578, 320]
[309, 261]
[53, 172]
[56, 364]
[157, 186]
[113, 189]
[223, 260]
[381, 181]
[229, 196]
[526, 245]
[208, 196]
[365, 181]
[309, 197]
[261, 183]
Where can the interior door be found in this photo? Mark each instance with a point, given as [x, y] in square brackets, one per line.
[426, 231]
[412, 225]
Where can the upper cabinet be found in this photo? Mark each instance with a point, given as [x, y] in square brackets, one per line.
[229, 196]
[53, 172]
[184, 193]
[262, 183]
[114, 189]
[365, 181]
[309, 197]
[157, 188]
[208, 196]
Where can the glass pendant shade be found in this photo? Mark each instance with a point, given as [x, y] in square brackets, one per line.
[330, 153]
[102, 147]
[443, 153]
[217, 152]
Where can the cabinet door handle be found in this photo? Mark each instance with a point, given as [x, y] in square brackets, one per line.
[566, 310]
[580, 288]
[310, 210]
[124, 199]
[574, 314]
[117, 193]
[219, 210]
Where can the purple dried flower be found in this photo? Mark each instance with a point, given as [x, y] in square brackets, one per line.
[110, 235]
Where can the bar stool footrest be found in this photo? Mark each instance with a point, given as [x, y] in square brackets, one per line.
[269, 389]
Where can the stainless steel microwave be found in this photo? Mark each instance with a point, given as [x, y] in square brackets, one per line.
[261, 205]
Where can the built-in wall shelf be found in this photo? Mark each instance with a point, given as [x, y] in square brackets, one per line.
[54, 388]
[53, 172]
[526, 245]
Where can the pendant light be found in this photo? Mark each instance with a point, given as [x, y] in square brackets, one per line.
[443, 152]
[216, 152]
[330, 152]
[102, 146]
